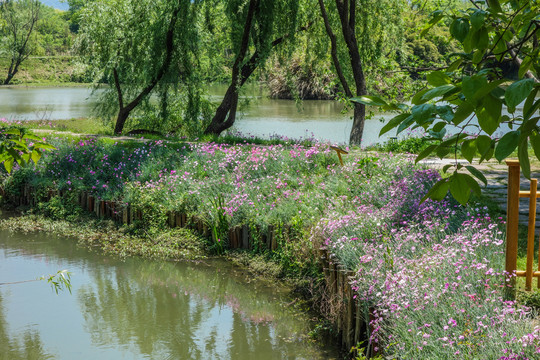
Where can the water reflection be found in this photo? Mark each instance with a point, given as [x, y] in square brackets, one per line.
[147, 309]
[261, 117]
[25, 346]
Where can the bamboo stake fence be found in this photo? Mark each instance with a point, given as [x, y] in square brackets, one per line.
[350, 324]
[512, 221]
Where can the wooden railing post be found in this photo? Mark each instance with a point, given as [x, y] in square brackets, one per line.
[530, 235]
[512, 218]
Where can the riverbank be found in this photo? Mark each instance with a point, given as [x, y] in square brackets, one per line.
[292, 201]
[46, 71]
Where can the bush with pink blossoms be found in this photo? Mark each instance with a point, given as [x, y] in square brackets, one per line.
[432, 280]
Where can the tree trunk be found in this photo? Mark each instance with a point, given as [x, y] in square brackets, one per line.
[230, 100]
[347, 15]
[359, 119]
[8, 78]
[229, 103]
[124, 111]
[21, 50]
[121, 120]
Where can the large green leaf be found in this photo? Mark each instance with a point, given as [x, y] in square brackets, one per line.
[506, 145]
[477, 173]
[491, 88]
[445, 112]
[494, 6]
[460, 187]
[535, 143]
[8, 164]
[483, 144]
[36, 155]
[487, 122]
[468, 149]
[493, 106]
[438, 92]
[525, 66]
[422, 112]
[417, 98]
[473, 84]
[369, 100]
[517, 92]
[405, 124]
[473, 184]
[395, 121]
[460, 29]
[477, 19]
[438, 78]
[463, 112]
[438, 191]
[531, 109]
[44, 146]
[523, 156]
[480, 40]
[425, 153]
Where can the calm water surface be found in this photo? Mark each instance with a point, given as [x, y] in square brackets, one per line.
[136, 309]
[321, 119]
[261, 116]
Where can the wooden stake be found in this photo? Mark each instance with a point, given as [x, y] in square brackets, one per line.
[512, 218]
[530, 234]
[339, 151]
[245, 237]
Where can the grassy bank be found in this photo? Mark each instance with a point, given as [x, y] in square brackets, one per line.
[45, 70]
[415, 262]
[169, 244]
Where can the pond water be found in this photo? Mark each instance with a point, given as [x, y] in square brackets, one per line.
[260, 116]
[137, 309]
[322, 119]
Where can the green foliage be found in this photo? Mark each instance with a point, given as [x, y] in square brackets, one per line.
[59, 281]
[53, 36]
[60, 208]
[471, 94]
[20, 146]
[124, 44]
[530, 299]
[18, 40]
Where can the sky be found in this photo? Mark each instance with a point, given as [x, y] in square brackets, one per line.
[57, 4]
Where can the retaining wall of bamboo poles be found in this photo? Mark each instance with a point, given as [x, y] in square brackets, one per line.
[512, 221]
[349, 325]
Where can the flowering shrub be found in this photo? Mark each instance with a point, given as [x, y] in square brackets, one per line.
[429, 273]
[432, 276]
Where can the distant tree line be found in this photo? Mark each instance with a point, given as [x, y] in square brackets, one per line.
[157, 56]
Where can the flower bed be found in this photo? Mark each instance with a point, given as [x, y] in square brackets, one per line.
[429, 275]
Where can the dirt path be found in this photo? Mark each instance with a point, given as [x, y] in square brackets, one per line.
[497, 176]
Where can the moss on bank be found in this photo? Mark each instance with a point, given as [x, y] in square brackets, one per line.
[171, 244]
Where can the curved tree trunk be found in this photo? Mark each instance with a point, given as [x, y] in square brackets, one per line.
[347, 16]
[230, 100]
[124, 111]
[19, 33]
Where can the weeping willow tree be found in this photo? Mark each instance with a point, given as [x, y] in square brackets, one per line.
[363, 34]
[256, 28]
[138, 49]
[17, 27]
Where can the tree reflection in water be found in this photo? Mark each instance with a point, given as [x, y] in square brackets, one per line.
[188, 311]
[25, 346]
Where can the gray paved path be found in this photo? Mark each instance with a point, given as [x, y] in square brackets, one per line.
[496, 189]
